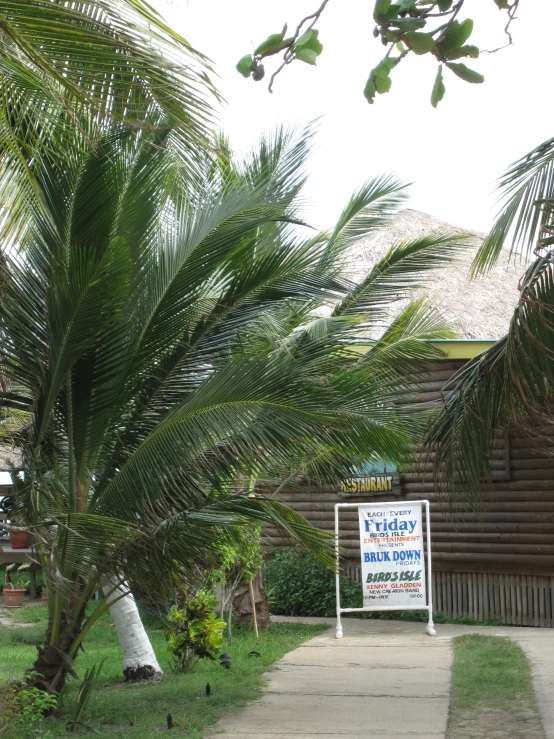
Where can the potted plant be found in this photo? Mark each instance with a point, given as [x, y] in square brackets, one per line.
[14, 590]
[19, 539]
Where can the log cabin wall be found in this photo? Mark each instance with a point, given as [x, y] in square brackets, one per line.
[497, 564]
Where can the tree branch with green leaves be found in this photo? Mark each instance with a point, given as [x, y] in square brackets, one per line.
[404, 27]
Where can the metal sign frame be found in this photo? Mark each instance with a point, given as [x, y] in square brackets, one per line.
[430, 628]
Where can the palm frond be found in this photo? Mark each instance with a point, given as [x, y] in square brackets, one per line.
[118, 58]
[505, 384]
[277, 163]
[69, 72]
[523, 190]
[369, 209]
[407, 342]
[405, 267]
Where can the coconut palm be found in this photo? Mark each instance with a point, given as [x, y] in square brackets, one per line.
[67, 72]
[117, 59]
[67, 69]
[514, 379]
[160, 348]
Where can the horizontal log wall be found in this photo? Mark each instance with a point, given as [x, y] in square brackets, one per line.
[493, 563]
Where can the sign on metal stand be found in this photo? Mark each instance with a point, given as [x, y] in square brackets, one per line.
[393, 564]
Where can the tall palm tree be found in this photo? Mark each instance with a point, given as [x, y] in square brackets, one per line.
[514, 379]
[69, 71]
[160, 348]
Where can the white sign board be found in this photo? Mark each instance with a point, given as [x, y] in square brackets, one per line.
[394, 573]
[393, 564]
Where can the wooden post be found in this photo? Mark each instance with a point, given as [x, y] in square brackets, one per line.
[33, 583]
[253, 602]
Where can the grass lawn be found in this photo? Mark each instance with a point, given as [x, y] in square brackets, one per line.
[117, 709]
[491, 693]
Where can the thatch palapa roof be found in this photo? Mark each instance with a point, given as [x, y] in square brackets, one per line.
[475, 309]
[9, 457]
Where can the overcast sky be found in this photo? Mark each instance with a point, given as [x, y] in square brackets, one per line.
[453, 155]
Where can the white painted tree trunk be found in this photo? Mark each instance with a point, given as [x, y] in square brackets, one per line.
[139, 659]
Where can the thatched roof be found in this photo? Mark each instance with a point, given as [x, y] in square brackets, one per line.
[479, 309]
[9, 458]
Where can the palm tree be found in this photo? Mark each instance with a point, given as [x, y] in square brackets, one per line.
[69, 69]
[160, 348]
[117, 59]
[513, 380]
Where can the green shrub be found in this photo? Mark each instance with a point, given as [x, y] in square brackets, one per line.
[38, 576]
[23, 709]
[193, 631]
[298, 585]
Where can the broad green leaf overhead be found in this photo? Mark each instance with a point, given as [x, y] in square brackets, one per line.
[439, 89]
[465, 73]
[419, 43]
[418, 27]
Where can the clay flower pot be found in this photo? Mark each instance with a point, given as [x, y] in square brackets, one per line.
[19, 539]
[44, 598]
[13, 598]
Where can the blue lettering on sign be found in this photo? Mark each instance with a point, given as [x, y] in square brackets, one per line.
[376, 557]
[397, 556]
[392, 525]
[410, 554]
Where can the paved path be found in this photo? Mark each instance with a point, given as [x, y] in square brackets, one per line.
[363, 686]
[383, 679]
[539, 647]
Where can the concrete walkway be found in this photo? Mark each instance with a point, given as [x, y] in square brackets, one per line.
[383, 679]
[538, 644]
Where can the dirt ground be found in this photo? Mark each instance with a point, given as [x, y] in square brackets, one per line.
[522, 722]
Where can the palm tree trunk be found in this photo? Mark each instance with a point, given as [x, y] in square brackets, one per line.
[53, 662]
[139, 658]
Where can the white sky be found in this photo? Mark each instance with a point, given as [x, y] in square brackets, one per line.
[453, 155]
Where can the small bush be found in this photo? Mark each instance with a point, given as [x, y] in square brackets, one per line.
[193, 632]
[298, 585]
[22, 709]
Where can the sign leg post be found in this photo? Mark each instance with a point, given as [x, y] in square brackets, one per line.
[430, 629]
[337, 574]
